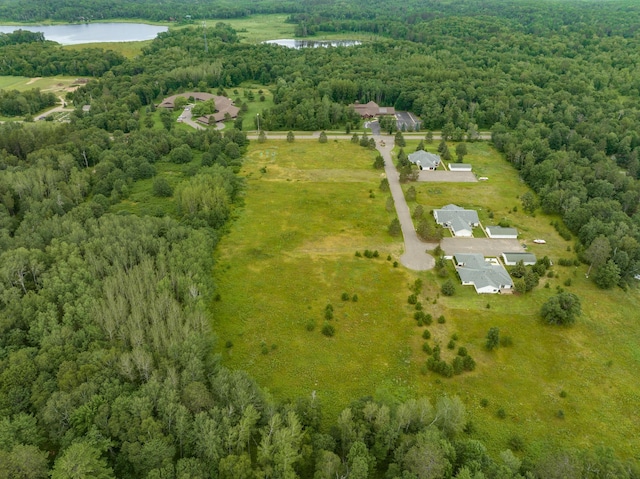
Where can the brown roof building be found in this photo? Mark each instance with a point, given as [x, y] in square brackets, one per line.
[371, 109]
[223, 106]
[196, 95]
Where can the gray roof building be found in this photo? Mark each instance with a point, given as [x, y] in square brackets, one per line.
[485, 276]
[500, 232]
[511, 259]
[460, 221]
[425, 160]
[459, 167]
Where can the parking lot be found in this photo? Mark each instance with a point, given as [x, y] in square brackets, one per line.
[447, 176]
[485, 246]
[408, 119]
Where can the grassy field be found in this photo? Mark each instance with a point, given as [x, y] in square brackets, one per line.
[55, 84]
[290, 252]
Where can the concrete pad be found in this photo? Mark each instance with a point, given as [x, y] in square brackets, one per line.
[447, 176]
[485, 246]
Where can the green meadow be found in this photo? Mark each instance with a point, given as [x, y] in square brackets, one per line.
[54, 84]
[290, 251]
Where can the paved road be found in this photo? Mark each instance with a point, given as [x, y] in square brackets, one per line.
[415, 256]
[185, 117]
[59, 108]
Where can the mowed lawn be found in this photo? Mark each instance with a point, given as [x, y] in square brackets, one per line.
[54, 84]
[290, 252]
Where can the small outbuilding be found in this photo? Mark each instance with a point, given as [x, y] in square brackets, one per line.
[511, 259]
[459, 167]
[372, 110]
[498, 232]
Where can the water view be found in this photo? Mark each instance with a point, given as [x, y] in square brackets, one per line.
[92, 32]
[297, 44]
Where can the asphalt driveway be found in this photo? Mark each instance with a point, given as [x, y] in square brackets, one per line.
[485, 246]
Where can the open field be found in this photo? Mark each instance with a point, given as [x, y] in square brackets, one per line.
[54, 84]
[290, 252]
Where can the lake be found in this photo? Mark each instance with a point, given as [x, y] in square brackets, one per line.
[297, 44]
[92, 32]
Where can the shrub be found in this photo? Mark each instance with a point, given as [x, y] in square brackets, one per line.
[454, 336]
[345, 297]
[418, 315]
[462, 351]
[412, 299]
[441, 319]
[426, 334]
[162, 188]
[562, 309]
[448, 288]
[418, 306]
[328, 312]
[451, 344]
[516, 443]
[501, 413]
[290, 137]
[457, 365]
[311, 325]
[354, 298]
[426, 348]
[228, 344]
[328, 330]
[493, 339]
[506, 341]
[563, 394]
[323, 137]
[378, 163]
[484, 402]
[358, 254]
[394, 227]
[469, 363]
[428, 319]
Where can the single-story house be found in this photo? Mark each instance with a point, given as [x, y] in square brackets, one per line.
[499, 232]
[486, 276]
[459, 167]
[224, 105]
[460, 221]
[371, 109]
[511, 259]
[169, 102]
[424, 160]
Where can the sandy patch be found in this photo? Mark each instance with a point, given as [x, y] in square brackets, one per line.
[33, 80]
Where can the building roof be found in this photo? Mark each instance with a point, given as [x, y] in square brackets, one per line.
[425, 159]
[223, 106]
[499, 230]
[526, 258]
[371, 109]
[459, 166]
[453, 215]
[169, 102]
[482, 274]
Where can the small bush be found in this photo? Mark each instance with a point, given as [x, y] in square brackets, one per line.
[328, 330]
[228, 344]
[426, 334]
[418, 306]
[264, 349]
[468, 363]
[426, 348]
[560, 414]
[563, 394]
[567, 282]
[358, 254]
[506, 341]
[311, 325]
[354, 298]
[395, 264]
[345, 297]
[427, 319]
[454, 336]
[412, 299]
[448, 288]
[441, 319]
[484, 402]
[501, 413]
[462, 351]
[451, 344]
[516, 443]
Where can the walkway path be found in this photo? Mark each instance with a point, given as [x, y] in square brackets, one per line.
[415, 256]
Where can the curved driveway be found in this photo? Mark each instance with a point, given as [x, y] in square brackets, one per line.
[415, 256]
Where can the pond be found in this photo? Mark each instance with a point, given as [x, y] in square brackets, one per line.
[92, 32]
[297, 44]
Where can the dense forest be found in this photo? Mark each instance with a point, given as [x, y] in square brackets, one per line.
[106, 363]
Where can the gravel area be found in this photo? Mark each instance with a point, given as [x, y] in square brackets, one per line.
[447, 176]
[486, 246]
